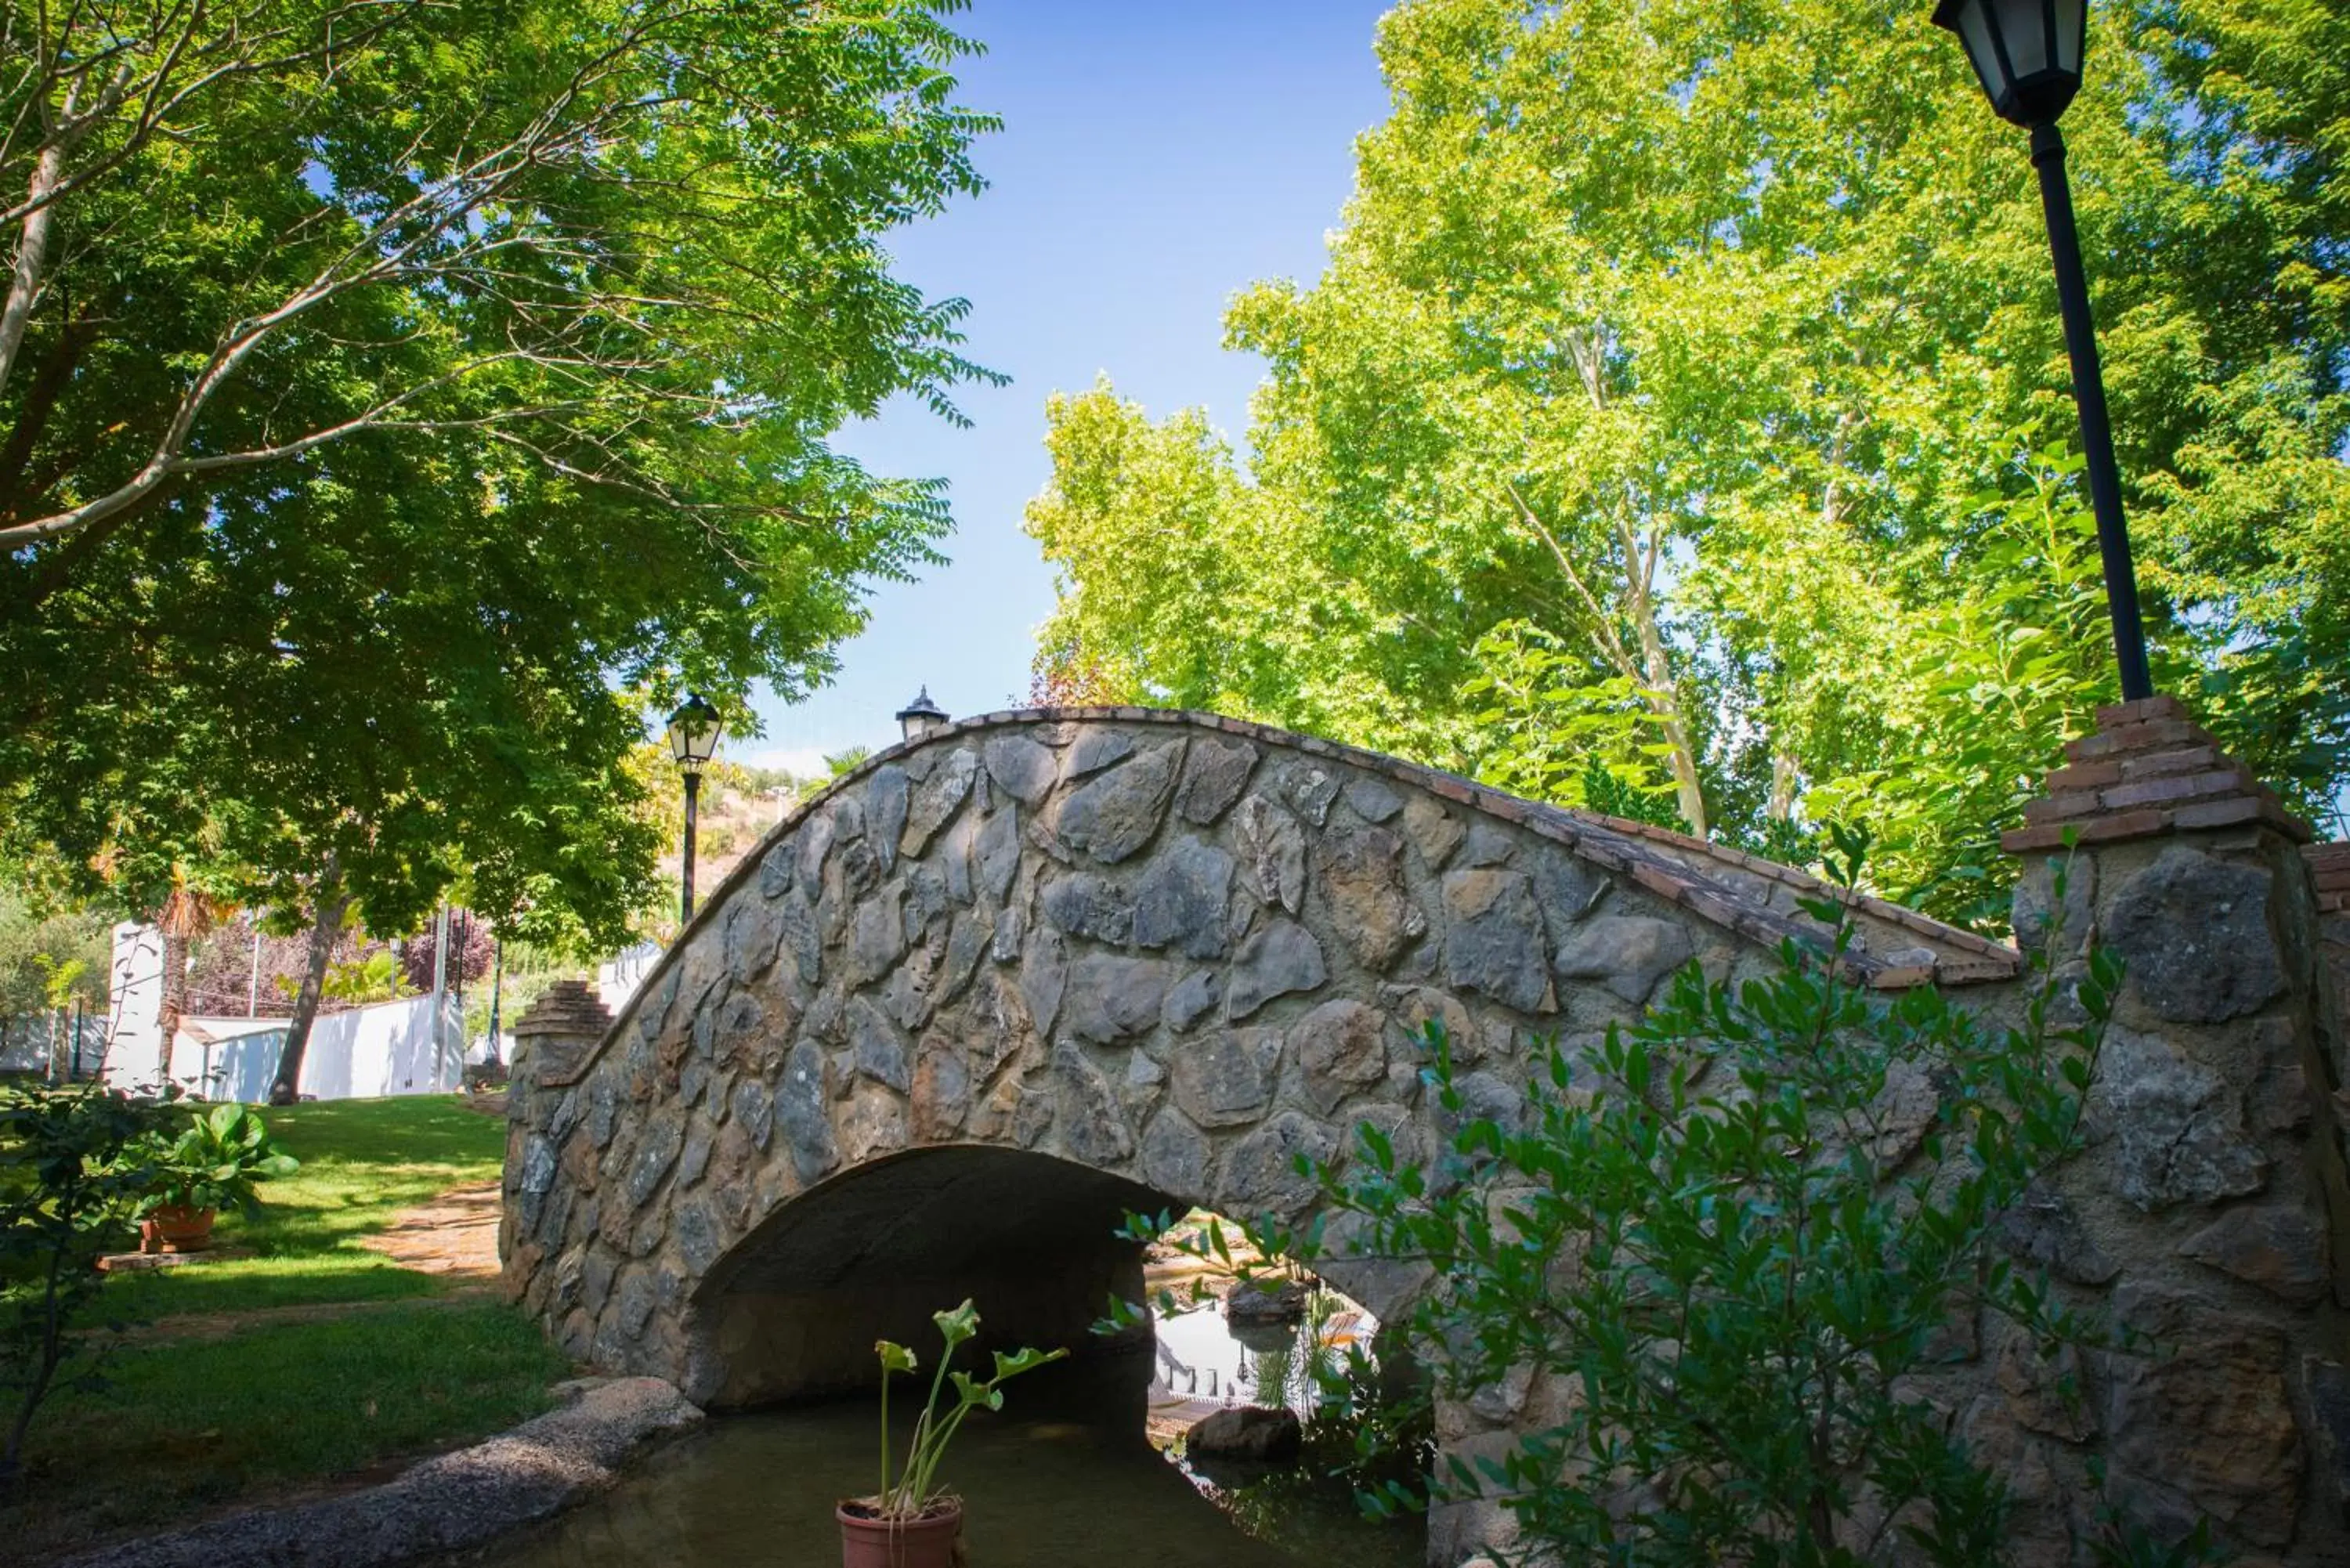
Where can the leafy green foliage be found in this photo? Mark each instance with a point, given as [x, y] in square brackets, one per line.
[1701, 356]
[51, 957]
[213, 1161]
[916, 1489]
[74, 1165]
[408, 397]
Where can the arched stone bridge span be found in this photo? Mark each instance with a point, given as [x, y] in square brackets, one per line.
[1002, 983]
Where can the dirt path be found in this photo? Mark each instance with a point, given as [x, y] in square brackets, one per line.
[455, 1236]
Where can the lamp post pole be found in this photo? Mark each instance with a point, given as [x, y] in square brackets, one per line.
[693, 794]
[2029, 56]
[2089, 397]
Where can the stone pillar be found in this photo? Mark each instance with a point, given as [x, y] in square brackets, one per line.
[2329, 867]
[2207, 1211]
[552, 1043]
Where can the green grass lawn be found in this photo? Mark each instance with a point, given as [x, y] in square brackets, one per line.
[197, 1416]
[363, 1161]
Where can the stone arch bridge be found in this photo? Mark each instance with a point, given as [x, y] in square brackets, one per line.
[1003, 983]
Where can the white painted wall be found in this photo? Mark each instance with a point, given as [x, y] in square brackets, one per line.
[135, 1007]
[617, 978]
[386, 1048]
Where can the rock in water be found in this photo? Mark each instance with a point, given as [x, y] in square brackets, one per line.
[1245, 1432]
[1267, 1301]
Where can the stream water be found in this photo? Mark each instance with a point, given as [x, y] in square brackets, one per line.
[1065, 1475]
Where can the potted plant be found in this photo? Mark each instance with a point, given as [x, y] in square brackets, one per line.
[913, 1522]
[212, 1164]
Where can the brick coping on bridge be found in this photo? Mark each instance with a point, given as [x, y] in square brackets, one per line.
[1657, 858]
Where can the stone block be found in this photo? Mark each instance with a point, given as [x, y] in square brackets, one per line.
[803, 1111]
[1361, 872]
[1226, 1078]
[1278, 957]
[1431, 830]
[1626, 953]
[937, 798]
[1174, 1158]
[1190, 999]
[2209, 1415]
[1271, 849]
[2282, 1248]
[2194, 931]
[1214, 773]
[1494, 938]
[874, 1124]
[1112, 997]
[1183, 899]
[1021, 767]
[1092, 1126]
[879, 1052]
[2177, 1129]
[1086, 904]
[1342, 1048]
[1113, 816]
[1261, 1170]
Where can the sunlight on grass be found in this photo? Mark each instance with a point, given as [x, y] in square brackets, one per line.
[186, 1423]
[363, 1162]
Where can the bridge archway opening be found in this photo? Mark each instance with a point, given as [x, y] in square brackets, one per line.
[1031, 1239]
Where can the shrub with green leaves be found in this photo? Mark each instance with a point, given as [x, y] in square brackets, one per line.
[73, 1169]
[1726, 1243]
[213, 1160]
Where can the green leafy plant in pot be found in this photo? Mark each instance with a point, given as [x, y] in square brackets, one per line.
[213, 1163]
[913, 1522]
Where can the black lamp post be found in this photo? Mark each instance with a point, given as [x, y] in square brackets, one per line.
[920, 717]
[693, 732]
[2027, 54]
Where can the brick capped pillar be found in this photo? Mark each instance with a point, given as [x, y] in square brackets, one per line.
[553, 1041]
[2207, 1211]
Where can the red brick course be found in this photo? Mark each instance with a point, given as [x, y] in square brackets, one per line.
[2147, 769]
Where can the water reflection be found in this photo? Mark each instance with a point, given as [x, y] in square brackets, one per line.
[1203, 1358]
[1065, 1475]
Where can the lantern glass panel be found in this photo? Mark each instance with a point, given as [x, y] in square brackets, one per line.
[2023, 28]
[2072, 24]
[1973, 27]
[694, 730]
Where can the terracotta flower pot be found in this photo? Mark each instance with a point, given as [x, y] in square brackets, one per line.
[929, 1542]
[178, 1228]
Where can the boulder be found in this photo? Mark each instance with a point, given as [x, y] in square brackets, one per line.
[1248, 1432]
[1267, 1301]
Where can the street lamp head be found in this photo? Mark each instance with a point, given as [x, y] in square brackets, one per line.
[2026, 53]
[693, 732]
[920, 716]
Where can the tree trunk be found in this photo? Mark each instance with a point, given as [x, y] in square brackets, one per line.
[1781, 807]
[32, 256]
[1667, 703]
[326, 929]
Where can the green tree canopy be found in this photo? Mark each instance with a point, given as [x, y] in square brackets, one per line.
[1680, 397]
[396, 397]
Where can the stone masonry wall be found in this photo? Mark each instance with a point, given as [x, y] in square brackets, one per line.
[2207, 1212]
[1175, 950]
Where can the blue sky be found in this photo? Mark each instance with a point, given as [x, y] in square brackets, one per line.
[1154, 159]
